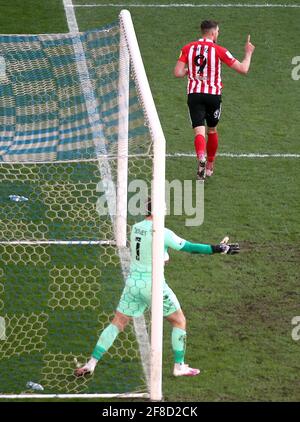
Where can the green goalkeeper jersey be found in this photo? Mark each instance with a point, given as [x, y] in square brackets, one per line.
[136, 296]
[141, 246]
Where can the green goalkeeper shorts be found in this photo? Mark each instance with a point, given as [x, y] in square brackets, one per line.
[136, 297]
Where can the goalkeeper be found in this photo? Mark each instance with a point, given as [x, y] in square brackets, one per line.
[136, 296]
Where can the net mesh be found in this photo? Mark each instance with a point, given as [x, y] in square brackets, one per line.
[59, 113]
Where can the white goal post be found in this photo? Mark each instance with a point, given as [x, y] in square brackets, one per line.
[158, 203]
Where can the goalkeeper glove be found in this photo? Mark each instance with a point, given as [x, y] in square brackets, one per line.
[226, 248]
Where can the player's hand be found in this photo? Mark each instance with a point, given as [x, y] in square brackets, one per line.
[249, 47]
[229, 248]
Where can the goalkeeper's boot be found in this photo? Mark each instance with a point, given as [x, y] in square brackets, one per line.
[83, 371]
[201, 171]
[209, 168]
[183, 370]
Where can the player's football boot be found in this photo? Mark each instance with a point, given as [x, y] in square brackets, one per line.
[183, 370]
[209, 168]
[83, 371]
[201, 171]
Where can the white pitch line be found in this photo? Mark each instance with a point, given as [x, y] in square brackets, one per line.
[30, 396]
[191, 5]
[236, 155]
[173, 155]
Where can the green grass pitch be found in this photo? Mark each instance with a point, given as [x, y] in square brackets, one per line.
[238, 309]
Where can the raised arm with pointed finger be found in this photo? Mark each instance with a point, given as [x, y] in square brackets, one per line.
[243, 67]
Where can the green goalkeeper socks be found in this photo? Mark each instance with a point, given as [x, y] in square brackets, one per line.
[178, 344]
[105, 341]
[111, 332]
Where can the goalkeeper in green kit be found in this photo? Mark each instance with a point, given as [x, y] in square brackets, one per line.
[136, 296]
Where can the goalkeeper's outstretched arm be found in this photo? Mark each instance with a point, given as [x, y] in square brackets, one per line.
[200, 248]
[175, 242]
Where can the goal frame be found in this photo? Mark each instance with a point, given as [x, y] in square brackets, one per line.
[131, 60]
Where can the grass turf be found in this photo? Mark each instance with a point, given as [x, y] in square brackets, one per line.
[239, 309]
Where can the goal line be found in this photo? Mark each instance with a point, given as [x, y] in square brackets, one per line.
[75, 396]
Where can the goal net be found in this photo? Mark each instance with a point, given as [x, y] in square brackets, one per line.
[78, 132]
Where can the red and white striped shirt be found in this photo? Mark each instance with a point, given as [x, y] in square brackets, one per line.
[203, 58]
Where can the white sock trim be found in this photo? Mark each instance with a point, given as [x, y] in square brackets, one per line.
[92, 364]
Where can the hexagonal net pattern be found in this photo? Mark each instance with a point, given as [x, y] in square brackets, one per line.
[61, 271]
[74, 288]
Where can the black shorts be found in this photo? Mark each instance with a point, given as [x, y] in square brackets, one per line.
[204, 108]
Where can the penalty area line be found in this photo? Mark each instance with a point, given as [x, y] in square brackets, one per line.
[192, 5]
[236, 155]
